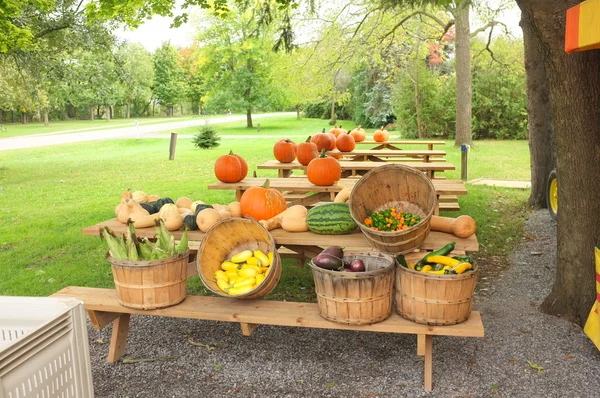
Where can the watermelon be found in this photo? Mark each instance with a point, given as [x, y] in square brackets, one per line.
[330, 219]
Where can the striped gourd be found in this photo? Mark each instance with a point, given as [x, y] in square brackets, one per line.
[330, 219]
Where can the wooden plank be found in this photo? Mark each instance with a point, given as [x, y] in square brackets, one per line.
[118, 339]
[277, 313]
[434, 240]
[427, 373]
[100, 318]
[349, 165]
[389, 153]
[449, 206]
[404, 142]
[301, 184]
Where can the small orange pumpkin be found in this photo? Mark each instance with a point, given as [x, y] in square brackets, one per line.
[285, 150]
[381, 135]
[324, 141]
[324, 170]
[307, 151]
[358, 134]
[262, 203]
[230, 168]
[345, 143]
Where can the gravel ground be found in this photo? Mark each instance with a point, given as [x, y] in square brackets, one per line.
[525, 353]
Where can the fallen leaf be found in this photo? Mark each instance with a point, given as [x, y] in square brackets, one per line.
[219, 367]
[330, 385]
[535, 253]
[471, 362]
[569, 356]
[100, 341]
[299, 381]
[198, 344]
[536, 367]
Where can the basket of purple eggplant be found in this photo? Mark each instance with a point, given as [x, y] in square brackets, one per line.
[353, 287]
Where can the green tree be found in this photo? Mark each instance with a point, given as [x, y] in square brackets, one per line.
[191, 62]
[169, 87]
[238, 61]
[135, 68]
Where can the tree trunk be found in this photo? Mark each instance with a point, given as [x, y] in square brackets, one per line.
[111, 113]
[539, 114]
[153, 105]
[107, 111]
[575, 97]
[464, 90]
[128, 116]
[297, 107]
[91, 112]
[38, 115]
[416, 85]
[23, 118]
[181, 109]
[46, 118]
[12, 116]
[1, 116]
[332, 122]
[249, 118]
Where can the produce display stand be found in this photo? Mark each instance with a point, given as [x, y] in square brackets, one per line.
[355, 168]
[397, 144]
[103, 306]
[300, 191]
[376, 155]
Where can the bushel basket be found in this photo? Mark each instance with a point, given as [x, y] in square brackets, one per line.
[150, 284]
[231, 236]
[356, 298]
[394, 185]
[434, 299]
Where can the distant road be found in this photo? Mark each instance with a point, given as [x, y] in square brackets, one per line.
[30, 141]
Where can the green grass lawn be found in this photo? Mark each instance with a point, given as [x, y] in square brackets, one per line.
[18, 129]
[49, 194]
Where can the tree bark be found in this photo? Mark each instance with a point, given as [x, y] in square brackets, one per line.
[417, 96]
[464, 91]
[153, 105]
[108, 112]
[332, 122]
[575, 97]
[1, 115]
[128, 116]
[91, 112]
[539, 114]
[46, 118]
[297, 107]
[249, 118]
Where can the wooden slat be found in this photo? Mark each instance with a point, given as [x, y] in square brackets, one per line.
[389, 153]
[350, 165]
[434, 240]
[266, 312]
[404, 142]
[301, 184]
[448, 198]
[449, 206]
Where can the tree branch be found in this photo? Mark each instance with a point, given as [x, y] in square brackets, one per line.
[409, 16]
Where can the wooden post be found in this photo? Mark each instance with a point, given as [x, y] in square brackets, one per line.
[258, 128]
[464, 155]
[172, 146]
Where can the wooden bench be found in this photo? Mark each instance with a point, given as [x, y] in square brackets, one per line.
[103, 308]
[377, 155]
[396, 144]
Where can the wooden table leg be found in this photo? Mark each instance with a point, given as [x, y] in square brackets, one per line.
[427, 374]
[248, 328]
[118, 338]
[421, 344]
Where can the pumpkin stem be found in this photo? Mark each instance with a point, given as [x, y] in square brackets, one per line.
[231, 152]
[323, 130]
[254, 174]
[266, 184]
[308, 139]
[323, 155]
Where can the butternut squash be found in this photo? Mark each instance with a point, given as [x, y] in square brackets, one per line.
[135, 210]
[207, 218]
[218, 207]
[343, 195]
[235, 209]
[462, 226]
[194, 204]
[126, 194]
[139, 196]
[294, 224]
[167, 207]
[297, 211]
[184, 202]
[124, 211]
[152, 198]
[173, 220]
[224, 214]
[146, 221]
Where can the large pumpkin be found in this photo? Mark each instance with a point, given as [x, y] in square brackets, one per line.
[358, 134]
[324, 170]
[307, 151]
[285, 150]
[262, 203]
[345, 142]
[324, 141]
[230, 168]
[381, 135]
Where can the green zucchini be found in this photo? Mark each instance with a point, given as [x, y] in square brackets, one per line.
[444, 251]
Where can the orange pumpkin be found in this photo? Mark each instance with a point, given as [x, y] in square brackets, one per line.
[262, 203]
[324, 141]
[285, 150]
[345, 143]
[358, 134]
[307, 151]
[381, 135]
[324, 170]
[335, 131]
[230, 168]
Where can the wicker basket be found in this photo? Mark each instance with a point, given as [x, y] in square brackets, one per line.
[434, 299]
[356, 298]
[394, 185]
[228, 237]
[150, 284]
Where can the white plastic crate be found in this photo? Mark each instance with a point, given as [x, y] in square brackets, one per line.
[44, 350]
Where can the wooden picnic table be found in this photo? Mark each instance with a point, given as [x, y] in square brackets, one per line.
[378, 155]
[104, 308]
[303, 192]
[353, 168]
[397, 144]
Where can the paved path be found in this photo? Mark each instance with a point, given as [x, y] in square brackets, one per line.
[30, 141]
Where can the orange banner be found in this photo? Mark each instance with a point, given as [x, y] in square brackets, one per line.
[583, 27]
